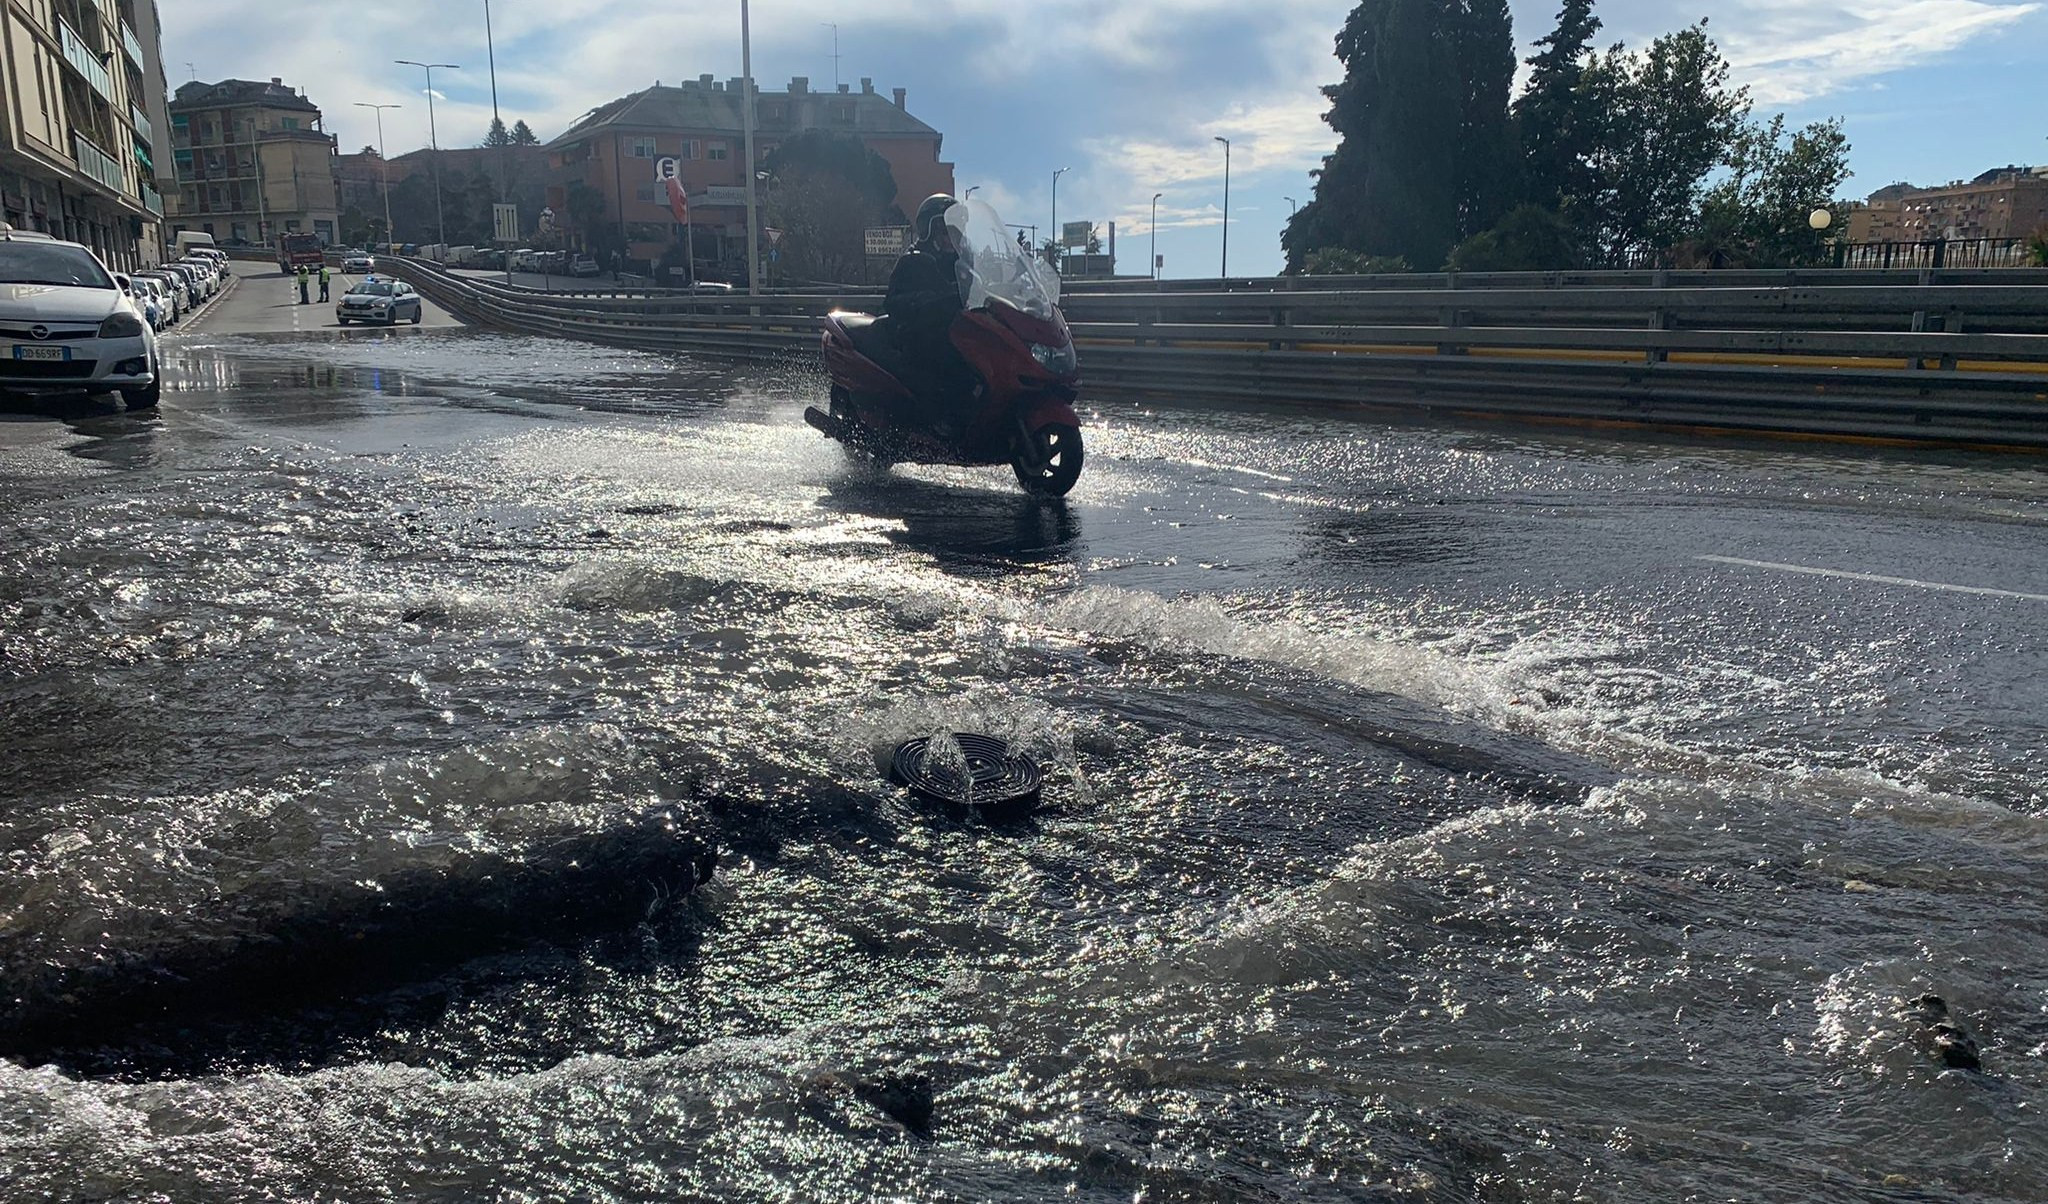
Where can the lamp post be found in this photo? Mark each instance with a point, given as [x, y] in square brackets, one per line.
[1293, 206]
[498, 123]
[747, 131]
[1056, 207]
[383, 163]
[1226, 205]
[434, 142]
[1155, 234]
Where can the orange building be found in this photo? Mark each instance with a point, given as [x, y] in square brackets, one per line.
[2006, 202]
[613, 150]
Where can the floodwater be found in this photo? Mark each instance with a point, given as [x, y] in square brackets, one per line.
[1433, 814]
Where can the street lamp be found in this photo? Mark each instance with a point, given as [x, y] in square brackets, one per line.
[1293, 206]
[434, 141]
[1155, 234]
[1226, 205]
[383, 163]
[1056, 206]
[753, 164]
[1820, 219]
[970, 193]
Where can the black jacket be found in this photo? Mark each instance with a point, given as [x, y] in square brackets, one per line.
[924, 298]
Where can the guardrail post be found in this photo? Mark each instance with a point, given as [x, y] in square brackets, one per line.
[1660, 319]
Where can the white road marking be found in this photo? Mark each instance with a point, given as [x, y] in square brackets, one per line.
[1876, 579]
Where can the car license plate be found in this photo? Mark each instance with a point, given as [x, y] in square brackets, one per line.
[42, 353]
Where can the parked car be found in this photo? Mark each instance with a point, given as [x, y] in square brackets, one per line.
[171, 293]
[376, 300]
[76, 330]
[583, 265]
[143, 299]
[359, 261]
[217, 257]
[708, 286]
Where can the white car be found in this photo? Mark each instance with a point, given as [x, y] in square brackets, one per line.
[379, 300]
[363, 264]
[67, 327]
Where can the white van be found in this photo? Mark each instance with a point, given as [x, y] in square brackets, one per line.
[188, 239]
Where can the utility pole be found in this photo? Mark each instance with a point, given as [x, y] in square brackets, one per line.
[434, 144]
[498, 123]
[384, 164]
[835, 53]
[262, 208]
[1155, 234]
[747, 128]
[1056, 210]
[1226, 205]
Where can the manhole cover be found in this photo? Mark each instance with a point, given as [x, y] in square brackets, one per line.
[984, 774]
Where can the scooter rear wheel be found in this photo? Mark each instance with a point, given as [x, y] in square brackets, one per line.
[1052, 465]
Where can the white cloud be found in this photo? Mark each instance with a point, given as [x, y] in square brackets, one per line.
[1789, 53]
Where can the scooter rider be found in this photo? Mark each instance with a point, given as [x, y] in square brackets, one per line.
[924, 298]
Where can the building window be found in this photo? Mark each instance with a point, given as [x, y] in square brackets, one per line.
[213, 196]
[716, 152]
[841, 114]
[291, 123]
[690, 149]
[643, 148]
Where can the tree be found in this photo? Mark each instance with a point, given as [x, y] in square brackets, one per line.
[1390, 186]
[497, 136]
[826, 189]
[1423, 154]
[371, 151]
[1667, 118]
[1531, 239]
[1760, 213]
[523, 135]
[1483, 156]
[2037, 247]
[1555, 124]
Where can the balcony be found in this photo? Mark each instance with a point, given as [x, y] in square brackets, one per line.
[98, 164]
[131, 44]
[152, 201]
[141, 124]
[83, 59]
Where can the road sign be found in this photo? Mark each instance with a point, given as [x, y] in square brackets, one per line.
[1076, 234]
[505, 223]
[888, 240]
[664, 169]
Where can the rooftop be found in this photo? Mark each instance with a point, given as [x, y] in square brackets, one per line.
[707, 104]
[275, 95]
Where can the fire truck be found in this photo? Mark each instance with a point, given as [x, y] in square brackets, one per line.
[295, 249]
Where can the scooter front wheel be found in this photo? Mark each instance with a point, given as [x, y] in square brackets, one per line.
[1049, 464]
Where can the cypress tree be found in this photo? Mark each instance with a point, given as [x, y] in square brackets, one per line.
[1556, 121]
[1424, 153]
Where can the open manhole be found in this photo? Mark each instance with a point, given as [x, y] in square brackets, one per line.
[984, 774]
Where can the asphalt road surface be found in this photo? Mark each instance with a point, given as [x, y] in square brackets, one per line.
[1433, 813]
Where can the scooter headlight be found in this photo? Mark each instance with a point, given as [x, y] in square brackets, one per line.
[1057, 360]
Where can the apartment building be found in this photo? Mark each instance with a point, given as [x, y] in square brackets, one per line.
[252, 163]
[614, 148]
[2005, 202]
[78, 145]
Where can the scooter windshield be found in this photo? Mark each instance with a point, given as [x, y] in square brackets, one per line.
[994, 266]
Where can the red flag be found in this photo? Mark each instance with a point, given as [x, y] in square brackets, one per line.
[678, 201]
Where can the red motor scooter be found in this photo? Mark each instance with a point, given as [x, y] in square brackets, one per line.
[1013, 336]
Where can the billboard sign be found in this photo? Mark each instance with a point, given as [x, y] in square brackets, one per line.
[1076, 234]
[888, 241]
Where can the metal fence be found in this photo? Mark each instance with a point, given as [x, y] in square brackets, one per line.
[1946, 363]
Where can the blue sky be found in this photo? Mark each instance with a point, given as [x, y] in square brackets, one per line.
[1129, 94]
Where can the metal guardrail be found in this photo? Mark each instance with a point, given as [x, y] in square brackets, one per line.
[1953, 364]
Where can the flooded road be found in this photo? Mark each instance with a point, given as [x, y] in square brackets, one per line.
[1433, 813]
